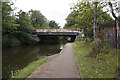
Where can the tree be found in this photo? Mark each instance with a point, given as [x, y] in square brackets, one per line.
[71, 19]
[16, 30]
[83, 17]
[25, 29]
[95, 27]
[8, 25]
[9, 28]
[87, 21]
[53, 24]
[117, 23]
[37, 18]
[45, 25]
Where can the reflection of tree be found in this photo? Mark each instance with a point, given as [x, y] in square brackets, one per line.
[19, 57]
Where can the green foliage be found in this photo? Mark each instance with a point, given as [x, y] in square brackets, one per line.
[8, 26]
[53, 24]
[92, 67]
[82, 17]
[45, 25]
[104, 47]
[40, 21]
[10, 41]
[25, 22]
[16, 31]
[37, 18]
[71, 19]
[25, 29]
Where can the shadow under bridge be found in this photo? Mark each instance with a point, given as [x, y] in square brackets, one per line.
[57, 32]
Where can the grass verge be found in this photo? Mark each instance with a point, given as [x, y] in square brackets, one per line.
[93, 67]
[29, 69]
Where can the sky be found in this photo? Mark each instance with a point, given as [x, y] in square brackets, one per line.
[57, 10]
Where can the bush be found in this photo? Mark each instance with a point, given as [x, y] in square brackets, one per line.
[10, 41]
[5, 40]
[14, 42]
[103, 46]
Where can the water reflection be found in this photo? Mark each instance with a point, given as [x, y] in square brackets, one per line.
[14, 59]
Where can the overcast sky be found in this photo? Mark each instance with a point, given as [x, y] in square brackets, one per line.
[56, 10]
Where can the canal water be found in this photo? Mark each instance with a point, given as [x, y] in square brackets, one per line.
[16, 58]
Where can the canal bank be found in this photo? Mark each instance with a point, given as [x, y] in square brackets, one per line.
[60, 66]
[17, 58]
[23, 73]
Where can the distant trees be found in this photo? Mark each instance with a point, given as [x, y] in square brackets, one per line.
[45, 25]
[40, 21]
[71, 19]
[53, 24]
[17, 28]
[37, 18]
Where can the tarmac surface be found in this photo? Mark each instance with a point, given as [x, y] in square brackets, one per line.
[62, 65]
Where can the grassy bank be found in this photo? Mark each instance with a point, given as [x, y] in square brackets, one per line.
[104, 66]
[29, 69]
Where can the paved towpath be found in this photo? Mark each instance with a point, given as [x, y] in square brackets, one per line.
[59, 66]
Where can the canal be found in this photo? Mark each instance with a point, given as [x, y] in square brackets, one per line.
[16, 58]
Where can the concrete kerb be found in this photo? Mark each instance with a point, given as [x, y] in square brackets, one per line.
[62, 49]
[56, 54]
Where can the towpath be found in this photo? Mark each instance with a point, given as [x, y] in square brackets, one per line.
[59, 66]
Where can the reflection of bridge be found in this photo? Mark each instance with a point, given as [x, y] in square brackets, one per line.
[57, 32]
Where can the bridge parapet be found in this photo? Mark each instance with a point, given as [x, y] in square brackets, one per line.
[53, 30]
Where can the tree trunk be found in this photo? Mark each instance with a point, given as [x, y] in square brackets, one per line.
[95, 27]
[118, 32]
[117, 25]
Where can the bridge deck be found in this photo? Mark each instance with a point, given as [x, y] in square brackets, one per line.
[55, 32]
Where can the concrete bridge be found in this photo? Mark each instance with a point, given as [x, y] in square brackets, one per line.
[57, 32]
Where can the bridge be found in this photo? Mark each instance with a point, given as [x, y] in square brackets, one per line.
[57, 32]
